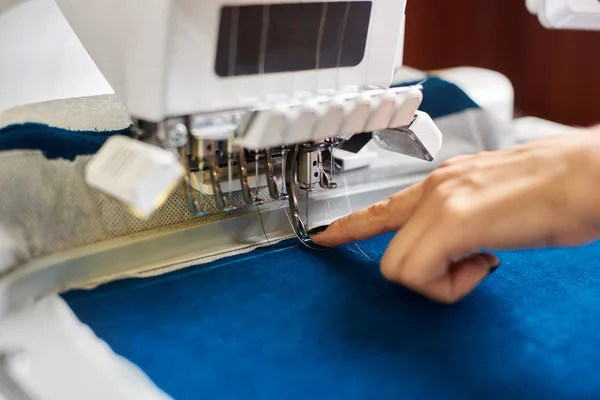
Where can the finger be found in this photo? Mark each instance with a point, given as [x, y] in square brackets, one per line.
[468, 158]
[457, 160]
[419, 257]
[461, 278]
[383, 217]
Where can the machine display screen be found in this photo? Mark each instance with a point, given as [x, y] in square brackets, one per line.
[262, 39]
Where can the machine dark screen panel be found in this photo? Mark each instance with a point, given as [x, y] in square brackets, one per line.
[293, 35]
[272, 38]
[355, 35]
[248, 40]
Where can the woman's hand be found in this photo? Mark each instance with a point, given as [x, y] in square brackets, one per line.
[545, 193]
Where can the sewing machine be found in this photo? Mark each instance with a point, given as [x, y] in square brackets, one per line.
[240, 105]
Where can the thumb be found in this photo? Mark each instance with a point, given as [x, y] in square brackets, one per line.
[383, 217]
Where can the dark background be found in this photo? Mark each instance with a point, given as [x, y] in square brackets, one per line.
[556, 74]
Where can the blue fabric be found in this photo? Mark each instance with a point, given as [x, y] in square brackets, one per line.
[286, 322]
[442, 98]
[53, 142]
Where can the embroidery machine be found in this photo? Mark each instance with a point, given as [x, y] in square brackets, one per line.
[250, 103]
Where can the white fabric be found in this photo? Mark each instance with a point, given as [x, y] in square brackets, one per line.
[104, 113]
[531, 128]
[42, 59]
[59, 358]
[13, 248]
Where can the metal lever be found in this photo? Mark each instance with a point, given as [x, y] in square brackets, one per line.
[253, 201]
[324, 180]
[420, 139]
[220, 199]
[193, 204]
[271, 183]
[178, 133]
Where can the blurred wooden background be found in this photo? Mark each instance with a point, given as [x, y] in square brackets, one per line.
[556, 74]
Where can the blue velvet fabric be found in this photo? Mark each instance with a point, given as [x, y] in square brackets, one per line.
[53, 142]
[442, 98]
[286, 322]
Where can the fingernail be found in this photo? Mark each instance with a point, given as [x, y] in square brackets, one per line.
[493, 269]
[317, 230]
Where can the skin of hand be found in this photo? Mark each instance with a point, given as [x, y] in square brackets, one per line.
[544, 193]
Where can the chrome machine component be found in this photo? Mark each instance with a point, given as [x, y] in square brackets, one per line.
[404, 139]
[299, 165]
[251, 201]
[305, 167]
[271, 182]
[245, 145]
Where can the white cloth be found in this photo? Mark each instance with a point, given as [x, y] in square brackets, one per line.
[55, 356]
[42, 58]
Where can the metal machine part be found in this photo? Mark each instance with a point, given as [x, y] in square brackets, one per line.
[302, 160]
[236, 153]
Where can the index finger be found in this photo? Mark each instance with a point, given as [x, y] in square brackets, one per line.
[383, 217]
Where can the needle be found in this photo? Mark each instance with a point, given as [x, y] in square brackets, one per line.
[362, 252]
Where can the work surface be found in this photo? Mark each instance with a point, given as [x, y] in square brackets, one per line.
[287, 322]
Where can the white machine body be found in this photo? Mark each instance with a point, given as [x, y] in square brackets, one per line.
[567, 14]
[167, 58]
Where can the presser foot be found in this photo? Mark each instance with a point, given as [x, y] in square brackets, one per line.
[291, 173]
[246, 194]
[220, 198]
[271, 182]
[178, 136]
[310, 167]
[194, 206]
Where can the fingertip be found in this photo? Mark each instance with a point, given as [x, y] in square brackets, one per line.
[388, 270]
[469, 272]
[491, 260]
[317, 230]
[320, 236]
[341, 231]
[459, 279]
